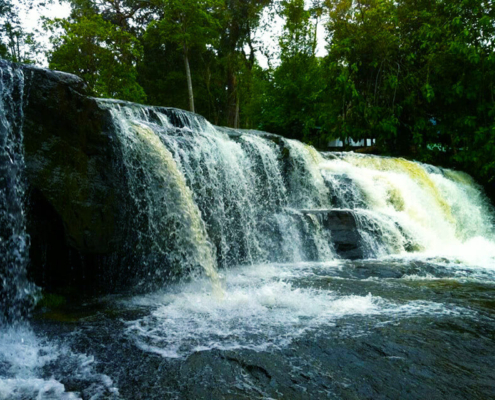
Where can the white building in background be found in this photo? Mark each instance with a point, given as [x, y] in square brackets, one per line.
[352, 143]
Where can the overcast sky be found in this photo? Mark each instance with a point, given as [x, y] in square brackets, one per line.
[31, 19]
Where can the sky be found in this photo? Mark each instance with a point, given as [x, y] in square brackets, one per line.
[31, 20]
[56, 10]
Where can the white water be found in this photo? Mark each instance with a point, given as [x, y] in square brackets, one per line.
[16, 292]
[442, 211]
[173, 225]
[23, 357]
[233, 180]
[207, 199]
[263, 308]
[253, 203]
[252, 194]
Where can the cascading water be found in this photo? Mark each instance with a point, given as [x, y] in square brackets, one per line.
[414, 207]
[16, 293]
[23, 355]
[307, 187]
[310, 255]
[206, 195]
[262, 200]
[173, 230]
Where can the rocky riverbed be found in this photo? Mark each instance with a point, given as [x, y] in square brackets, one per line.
[409, 329]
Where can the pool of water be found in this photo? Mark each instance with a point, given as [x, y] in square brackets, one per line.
[416, 327]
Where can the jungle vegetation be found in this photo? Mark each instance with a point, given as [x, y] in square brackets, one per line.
[416, 75]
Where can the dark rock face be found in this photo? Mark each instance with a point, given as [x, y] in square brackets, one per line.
[75, 183]
[343, 227]
[70, 158]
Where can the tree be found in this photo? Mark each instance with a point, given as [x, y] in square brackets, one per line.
[131, 15]
[190, 25]
[100, 52]
[364, 65]
[161, 73]
[291, 102]
[240, 18]
[418, 75]
[16, 44]
[462, 68]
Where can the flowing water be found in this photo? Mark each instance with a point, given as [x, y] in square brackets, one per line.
[23, 354]
[267, 306]
[15, 290]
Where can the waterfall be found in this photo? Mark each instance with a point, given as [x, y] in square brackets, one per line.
[409, 206]
[217, 197]
[173, 229]
[201, 198]
[16, 293]
[307, 187]
[234, 240]
[228, 186]
[291, 213]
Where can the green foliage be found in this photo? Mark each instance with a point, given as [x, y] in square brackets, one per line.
[191, 24]
[416, 75]
[166, 47]
[101, 53]
[236, 51]
[289, 98]
[162, 75]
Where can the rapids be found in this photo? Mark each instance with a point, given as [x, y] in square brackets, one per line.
[265, 306]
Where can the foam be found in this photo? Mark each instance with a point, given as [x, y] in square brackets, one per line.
[443, 211]
[24, 358]
[259, 310]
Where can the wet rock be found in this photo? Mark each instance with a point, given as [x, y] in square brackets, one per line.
[70, 159]
[343, 227]
[344, 192]
[75, 187]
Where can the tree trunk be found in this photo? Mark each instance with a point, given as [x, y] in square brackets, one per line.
[189, 81]
[232, 104]
[237, 121]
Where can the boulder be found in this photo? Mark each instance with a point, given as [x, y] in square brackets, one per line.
[343, 227]
[71, 160]
[75, 209]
